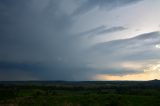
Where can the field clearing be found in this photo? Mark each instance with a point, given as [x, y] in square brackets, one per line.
[80, 93]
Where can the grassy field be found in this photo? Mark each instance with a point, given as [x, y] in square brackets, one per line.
[122, 93]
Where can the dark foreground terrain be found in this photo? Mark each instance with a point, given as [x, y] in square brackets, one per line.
[86, 93]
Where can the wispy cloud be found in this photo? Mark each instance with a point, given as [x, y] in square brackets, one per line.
[105, 4]
[135, 43]
[102, 30]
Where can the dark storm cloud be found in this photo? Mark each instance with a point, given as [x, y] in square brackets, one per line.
[37, 41]
[105, 4]
[34, 39]
[29, 30]
[20, 66]
[21, 71]
[43, 71]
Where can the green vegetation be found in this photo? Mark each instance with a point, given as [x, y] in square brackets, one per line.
[80, 94]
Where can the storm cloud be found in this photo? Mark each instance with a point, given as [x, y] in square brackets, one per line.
[33, 33]
[62, 40]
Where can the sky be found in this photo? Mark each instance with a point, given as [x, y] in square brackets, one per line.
[79, 40]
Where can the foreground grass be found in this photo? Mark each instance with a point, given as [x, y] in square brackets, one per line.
[81, 94]
[92, 99]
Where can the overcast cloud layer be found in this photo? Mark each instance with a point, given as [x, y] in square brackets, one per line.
[78, 40]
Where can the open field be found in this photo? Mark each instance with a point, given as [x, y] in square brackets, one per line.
[85, 93]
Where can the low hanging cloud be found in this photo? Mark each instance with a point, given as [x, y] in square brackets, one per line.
[119, 71]
[126, 54]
